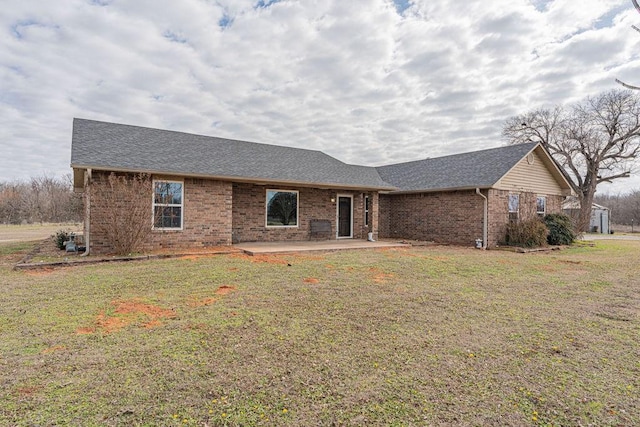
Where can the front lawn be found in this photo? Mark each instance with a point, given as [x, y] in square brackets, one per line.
[422, 336]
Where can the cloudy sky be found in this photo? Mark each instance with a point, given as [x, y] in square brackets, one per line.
[368, 81]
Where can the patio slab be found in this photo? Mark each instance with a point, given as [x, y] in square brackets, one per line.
[252, 248]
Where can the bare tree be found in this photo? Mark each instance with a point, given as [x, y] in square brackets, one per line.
[41, 199]
[282, 208]
[120, 206]
[625, 208]
[628, 86]
[12, 202]
[596, 140]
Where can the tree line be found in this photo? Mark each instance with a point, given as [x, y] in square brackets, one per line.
[625, 208]
[39, 200]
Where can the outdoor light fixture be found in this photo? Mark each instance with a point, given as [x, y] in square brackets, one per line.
[333, 200]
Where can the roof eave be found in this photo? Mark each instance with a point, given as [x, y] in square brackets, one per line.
[441, 190]
[254, 180]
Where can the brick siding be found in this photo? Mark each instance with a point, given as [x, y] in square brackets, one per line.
[206, 217]
[455, 217]
[220, 212]
[499, 211]
[444, 217]
[249, 211]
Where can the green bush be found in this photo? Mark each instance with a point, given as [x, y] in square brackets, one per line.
[560, 229]
[61, 237]
[528, 234]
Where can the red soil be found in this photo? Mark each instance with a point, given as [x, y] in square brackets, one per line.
[379, 276]
[52, 349]
[126, 313]
[225, 289]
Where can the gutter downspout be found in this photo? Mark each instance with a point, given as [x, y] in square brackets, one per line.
[485, 228]
[87, 211]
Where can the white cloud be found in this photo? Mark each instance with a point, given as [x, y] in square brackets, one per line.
[356, 79]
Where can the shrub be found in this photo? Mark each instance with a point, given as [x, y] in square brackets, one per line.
[528, 234]
[61, 237]
[560, 229]
[125, 213]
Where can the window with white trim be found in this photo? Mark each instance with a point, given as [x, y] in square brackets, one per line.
[366, 211]
[282, 208]
[541, 205]
[514, 206]
[167, 205]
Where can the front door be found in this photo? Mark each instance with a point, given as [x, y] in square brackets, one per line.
[345, 216]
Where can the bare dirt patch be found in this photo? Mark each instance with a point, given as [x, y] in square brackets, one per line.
[380, 276]
[268, 259]
[281, 259]
[29, 390]
[225, 289]
[127, 313]
[45, 271]
[53, 349]
[202, 302]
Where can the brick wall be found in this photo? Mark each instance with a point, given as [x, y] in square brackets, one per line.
[384, 216]
[206, 216]
[219, 212]
[249, 211]
[454, 217]
[499, 211]
[445, 217]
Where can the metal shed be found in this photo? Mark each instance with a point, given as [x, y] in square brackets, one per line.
[600, 215]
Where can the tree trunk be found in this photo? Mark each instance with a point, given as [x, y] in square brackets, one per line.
[586, 202]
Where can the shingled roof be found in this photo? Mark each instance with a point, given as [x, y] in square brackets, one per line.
[118, 147]
[477, 169]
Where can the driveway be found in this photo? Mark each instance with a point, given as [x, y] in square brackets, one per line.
[597, 236]
[25, 233]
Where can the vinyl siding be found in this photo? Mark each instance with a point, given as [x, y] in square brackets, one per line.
[534, 178]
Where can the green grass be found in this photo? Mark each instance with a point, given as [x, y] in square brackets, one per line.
[426, 336]
[15, 248]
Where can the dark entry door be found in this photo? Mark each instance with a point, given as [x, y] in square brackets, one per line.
[344, 216]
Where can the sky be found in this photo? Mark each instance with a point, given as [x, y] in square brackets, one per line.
[370, 82]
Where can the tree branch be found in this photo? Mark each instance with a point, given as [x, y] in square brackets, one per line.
[610, 178]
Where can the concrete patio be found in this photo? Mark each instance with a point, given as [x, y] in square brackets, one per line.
[253, 248]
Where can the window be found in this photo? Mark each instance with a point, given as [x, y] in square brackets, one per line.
[514, 206]
[541, 206]
[282, 208]
[167, 205]
[366, 211]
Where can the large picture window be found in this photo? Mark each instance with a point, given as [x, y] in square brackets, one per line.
[282, 208]
[167, 205]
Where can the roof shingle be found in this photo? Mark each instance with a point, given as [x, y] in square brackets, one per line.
[103, 145]
[477, 169]
[111, 146]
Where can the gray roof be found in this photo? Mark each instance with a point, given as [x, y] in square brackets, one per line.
[477, 169]
[111, 146]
